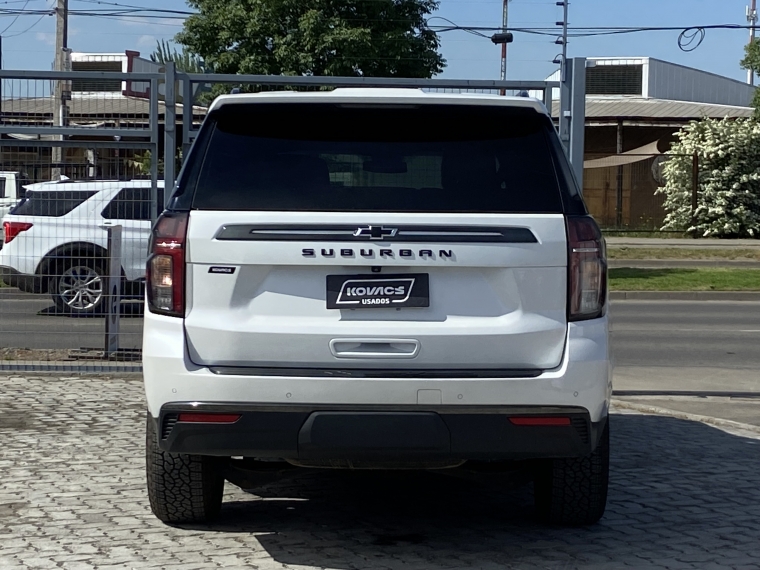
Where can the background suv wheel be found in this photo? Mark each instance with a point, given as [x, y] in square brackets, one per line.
[78, 287]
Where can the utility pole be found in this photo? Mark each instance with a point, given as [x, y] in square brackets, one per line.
[563, 40]
[752, 19]
[504, 29]
[59, 104]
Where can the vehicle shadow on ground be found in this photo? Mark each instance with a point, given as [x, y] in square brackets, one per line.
[128, 310]
[680, 491]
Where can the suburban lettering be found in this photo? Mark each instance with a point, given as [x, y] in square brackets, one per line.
[369, 253]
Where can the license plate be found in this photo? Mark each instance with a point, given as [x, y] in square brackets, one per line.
[378, 291]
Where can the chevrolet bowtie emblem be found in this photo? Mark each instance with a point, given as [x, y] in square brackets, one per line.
[375, 232]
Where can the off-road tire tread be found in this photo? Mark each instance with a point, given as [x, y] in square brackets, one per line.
[573, 492]
[181, 488]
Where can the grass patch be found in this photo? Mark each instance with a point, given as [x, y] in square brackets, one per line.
[646, 234]
[746, 254]
[626, 279]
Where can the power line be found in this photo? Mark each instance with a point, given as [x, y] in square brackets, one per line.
[49, 12]
[689, 39]
[14, 19]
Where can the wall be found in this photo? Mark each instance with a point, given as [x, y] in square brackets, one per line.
[675, 82]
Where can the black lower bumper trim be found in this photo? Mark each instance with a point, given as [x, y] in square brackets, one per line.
[310, 433]
[377, 372]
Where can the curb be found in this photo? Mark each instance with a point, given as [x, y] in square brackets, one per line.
[684, 243]
[80, 367]
[685, 295]
[716, 422]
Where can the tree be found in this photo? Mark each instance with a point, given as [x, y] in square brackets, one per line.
[184, 60]
[377, 38]
[728, 193]
[751, 62]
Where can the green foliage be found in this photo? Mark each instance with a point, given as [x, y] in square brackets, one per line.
[728, 204]
[751, 62]
[184, 60]
[141, 163]
[377, 38]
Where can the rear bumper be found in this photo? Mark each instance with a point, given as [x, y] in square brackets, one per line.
[377, 433]
[321, 417]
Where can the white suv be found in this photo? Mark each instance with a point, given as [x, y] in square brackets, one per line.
[376, 279]
[55, 242]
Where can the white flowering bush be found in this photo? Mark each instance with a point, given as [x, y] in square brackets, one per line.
[728, 202]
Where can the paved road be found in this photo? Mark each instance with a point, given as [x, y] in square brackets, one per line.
[30, 321]
[686, 345]
[683, 496]
[665, 345]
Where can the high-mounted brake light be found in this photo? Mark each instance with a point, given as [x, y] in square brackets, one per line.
[587, 269]
[166, 265]
[12, 229]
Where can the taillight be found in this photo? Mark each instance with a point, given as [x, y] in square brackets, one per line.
[587, 269]
[12, 229]
[166, 265]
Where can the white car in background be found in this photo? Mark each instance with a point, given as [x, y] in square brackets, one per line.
[54, 242]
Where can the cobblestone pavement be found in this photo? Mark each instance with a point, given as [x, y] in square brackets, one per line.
[72, 495]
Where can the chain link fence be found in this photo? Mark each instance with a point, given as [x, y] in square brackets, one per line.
[78, 191]
[83, 165]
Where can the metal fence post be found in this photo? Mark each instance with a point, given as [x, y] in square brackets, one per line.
[548, 99]
[565, 95]
[154, 136]
[578, 118]
[620, 173]
[112, 288]
[187, 113]
[170, 131]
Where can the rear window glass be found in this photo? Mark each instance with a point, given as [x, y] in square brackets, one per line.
[429, 158]
[55, 204]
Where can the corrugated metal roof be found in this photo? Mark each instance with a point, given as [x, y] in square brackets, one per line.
[86, 106]
[659, 109]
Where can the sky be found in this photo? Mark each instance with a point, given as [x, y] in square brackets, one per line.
[28, 40]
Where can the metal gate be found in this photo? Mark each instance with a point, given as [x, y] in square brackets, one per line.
[87, 161]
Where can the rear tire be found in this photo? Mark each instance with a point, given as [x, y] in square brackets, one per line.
[181, 488]
[573, 492]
